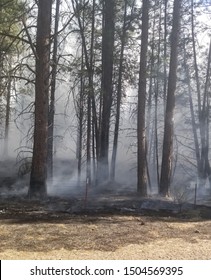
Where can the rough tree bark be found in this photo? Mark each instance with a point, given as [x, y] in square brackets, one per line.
[141, 128]
[52, 94]
[107, 88]
[39, 161]
[166, 167]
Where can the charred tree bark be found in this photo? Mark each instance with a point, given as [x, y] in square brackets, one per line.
[39, 161]
[52, 94]
[107, 87]
[141, 128]
[167, 156]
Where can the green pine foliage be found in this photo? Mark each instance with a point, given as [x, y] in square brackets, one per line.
[11, 13]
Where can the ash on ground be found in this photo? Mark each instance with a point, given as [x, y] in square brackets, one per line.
[110, 198]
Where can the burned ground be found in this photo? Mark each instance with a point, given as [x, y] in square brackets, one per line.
[112, 222]
[103, 227]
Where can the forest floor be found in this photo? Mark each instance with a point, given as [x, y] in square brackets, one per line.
[101, 229]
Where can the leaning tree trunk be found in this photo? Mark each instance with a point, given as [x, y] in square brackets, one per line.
[39, 161]
[141, 129]
[167, 157]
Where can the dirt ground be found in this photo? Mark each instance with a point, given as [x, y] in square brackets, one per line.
[53, 229]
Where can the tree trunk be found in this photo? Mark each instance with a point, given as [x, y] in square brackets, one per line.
[195, 136]
[39, 161]
[195, 60]
[7, 117]
[166, 167]
[149, 126]
[141, 129]
[165, 51]
[119, 97]
[52, 96]
[157, 87]
[80, 116]
[89, 111]
[88, 144]
[91, 108]
[107, 87]
[205, 171]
